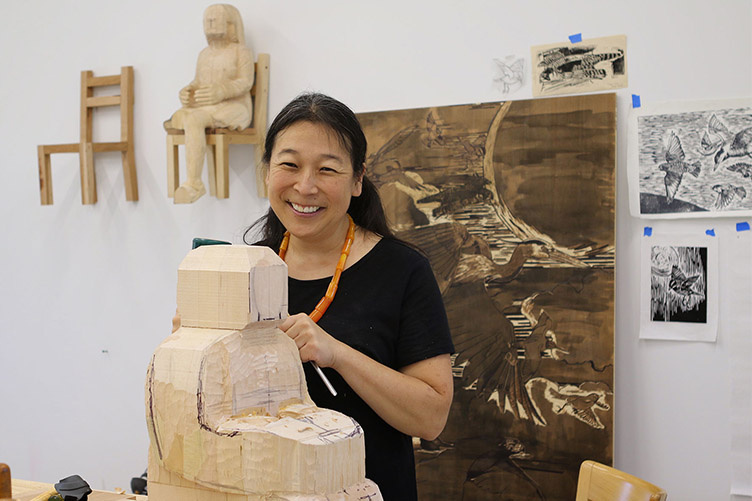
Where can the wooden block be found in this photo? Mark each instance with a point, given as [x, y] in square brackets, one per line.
[228, 287]
[25, 490]
[227, 406]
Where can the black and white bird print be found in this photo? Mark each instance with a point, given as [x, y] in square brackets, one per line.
[675, 166]
[742, 168]
[682, 284]
[727, 194]
[723, 143]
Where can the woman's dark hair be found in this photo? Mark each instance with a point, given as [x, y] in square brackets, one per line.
[366, 209]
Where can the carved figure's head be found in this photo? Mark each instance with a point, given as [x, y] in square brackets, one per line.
[222, 21]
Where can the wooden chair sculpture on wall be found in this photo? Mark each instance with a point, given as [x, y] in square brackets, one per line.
[219, 140]
[86, 147]
[598, 482]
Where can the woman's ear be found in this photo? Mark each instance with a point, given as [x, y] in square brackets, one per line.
[358, 186]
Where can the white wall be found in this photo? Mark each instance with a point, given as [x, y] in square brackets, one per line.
[88, 291]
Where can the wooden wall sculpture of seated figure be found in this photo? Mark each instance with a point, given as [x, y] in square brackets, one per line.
[227, 405]
[218, 96]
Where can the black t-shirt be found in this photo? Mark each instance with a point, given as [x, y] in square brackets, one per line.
[388, 307]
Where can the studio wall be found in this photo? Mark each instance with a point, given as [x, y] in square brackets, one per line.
[89, 291]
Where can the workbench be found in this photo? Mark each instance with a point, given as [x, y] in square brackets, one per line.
[25, 490]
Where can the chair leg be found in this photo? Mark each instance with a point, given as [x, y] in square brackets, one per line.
[45, 176]
[88, 176]
[173, 174]
[129, 174]
[222, 163]
[211, 167]
[258, 155]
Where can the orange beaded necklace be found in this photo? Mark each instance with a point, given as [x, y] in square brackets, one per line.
[325, 301]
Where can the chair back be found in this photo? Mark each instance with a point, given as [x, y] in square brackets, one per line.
[598, 482]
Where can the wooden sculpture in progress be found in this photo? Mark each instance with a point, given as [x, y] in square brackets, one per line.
[218, 97]
[227, 406]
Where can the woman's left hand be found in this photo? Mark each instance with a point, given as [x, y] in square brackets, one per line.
[313, 342]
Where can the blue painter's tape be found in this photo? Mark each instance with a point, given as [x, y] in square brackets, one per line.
[635, 101]
[710, 232]
[577, 37]
[648, 231]
[742, 226]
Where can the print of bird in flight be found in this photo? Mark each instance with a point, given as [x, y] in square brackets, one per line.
[675, 166]
[719, 141]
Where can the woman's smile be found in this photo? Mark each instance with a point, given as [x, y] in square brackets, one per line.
[305, 209]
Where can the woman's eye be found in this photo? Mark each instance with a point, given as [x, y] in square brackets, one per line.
[327, 169]
[288, 164]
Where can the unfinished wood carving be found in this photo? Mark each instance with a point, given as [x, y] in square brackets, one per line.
[219, 95]
[227, 405]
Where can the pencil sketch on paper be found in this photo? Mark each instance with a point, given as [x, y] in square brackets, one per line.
[491, 192]
[678, 284]
[511, 73]
[587, 66]
[692, 163]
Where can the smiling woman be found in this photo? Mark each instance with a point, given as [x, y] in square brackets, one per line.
[383, 338]
[311, 182]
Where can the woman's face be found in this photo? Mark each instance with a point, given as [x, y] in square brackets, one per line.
[311, 181]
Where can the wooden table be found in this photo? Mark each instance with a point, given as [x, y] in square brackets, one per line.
[25, 490]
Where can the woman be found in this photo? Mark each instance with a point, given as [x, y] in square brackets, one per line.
[384, 340]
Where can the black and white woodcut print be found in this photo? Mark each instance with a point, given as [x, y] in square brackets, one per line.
[678, 285]
[693, 163]
[513, 203]
[586, 66]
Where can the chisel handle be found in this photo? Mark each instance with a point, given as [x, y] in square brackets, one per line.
[6, 490]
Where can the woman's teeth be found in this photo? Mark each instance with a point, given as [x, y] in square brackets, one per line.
[307, 209]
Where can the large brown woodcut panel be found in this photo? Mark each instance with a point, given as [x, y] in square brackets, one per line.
[513, 202]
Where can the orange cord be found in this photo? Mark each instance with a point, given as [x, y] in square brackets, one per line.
[325, 301]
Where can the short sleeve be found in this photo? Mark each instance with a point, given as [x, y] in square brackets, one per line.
[424, 328]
